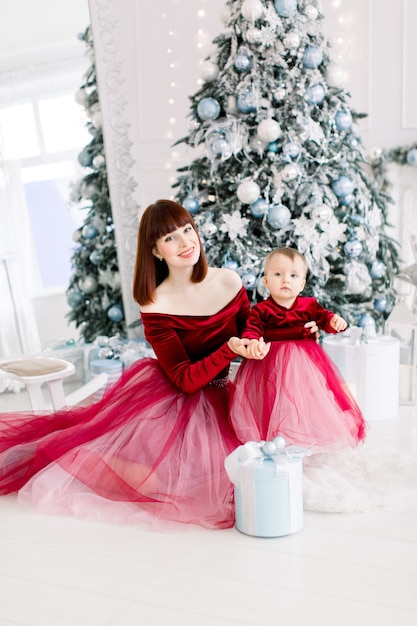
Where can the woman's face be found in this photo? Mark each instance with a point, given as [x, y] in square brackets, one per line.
[180, 248]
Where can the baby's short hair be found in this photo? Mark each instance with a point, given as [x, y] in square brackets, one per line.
[291, 253]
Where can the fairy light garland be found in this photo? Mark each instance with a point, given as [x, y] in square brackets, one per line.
[202, 41]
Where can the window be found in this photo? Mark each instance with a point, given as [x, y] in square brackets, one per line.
[41, 138]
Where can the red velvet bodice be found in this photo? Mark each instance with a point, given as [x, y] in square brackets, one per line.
[192, 349]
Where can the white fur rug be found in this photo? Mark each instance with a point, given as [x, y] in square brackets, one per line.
[358, 480]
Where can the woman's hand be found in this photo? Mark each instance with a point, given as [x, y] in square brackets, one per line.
[243, 348]
[314, 329]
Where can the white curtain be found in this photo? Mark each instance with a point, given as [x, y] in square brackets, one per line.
[18, 329]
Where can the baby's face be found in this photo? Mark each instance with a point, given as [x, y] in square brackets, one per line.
[285, 278]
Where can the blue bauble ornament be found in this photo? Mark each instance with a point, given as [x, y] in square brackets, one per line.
[353, 248]
[365, 320]
[315, 94]
[75, 299]
[278, 216]
[191, 204]
[84, 158]
[343, 120]
[291, 149]
[412, 156]
[89, 231]
[285, 8]
[246, 101]
[312, 57]
[249, 280]
[95, 257]
[346, 200]
[272, 147]
[343, 186]
[380, 304]
[259, 208]
[208, 109]
[221, 147]
[231, 264]
[243, 62]
[378, 269]
[269, 448]
[115, 313]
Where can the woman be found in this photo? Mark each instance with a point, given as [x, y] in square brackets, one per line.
[154, 446]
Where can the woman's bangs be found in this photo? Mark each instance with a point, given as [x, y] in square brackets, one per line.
[169, 220]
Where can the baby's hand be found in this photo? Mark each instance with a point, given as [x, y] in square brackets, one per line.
[257, 349]
[338, 323]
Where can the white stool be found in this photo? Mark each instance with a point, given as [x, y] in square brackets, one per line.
[35, 371]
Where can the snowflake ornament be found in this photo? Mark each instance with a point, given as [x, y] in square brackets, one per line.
[234, 225]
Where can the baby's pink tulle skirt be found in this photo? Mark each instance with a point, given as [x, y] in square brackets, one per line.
[296, 392]
[145, 452]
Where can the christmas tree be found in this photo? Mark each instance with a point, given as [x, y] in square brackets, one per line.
[94, 292]
[279, 161]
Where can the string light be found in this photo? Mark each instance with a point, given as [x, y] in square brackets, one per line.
[202, 39]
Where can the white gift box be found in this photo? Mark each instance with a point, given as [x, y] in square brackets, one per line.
[268, 490]
[371, 369]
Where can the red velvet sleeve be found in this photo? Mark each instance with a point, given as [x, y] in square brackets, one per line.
[323, 317]
[174, 338]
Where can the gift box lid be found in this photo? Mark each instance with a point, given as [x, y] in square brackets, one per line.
[105, 365]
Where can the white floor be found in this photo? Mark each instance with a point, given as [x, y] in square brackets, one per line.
[339, 570]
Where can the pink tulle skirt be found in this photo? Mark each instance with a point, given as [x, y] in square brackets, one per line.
[146, 451]
[298, 393]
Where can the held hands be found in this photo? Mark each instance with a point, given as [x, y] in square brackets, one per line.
[249, 348]
[338, 323]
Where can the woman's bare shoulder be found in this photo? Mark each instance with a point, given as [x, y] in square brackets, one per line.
[226, 277]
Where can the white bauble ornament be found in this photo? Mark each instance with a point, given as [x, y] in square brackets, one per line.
[269, 130]
[292, 40]
[321, 213]
[209, 229]
[248, 192]
[252, 10]
[335, 76]
[225, 15]
[99, 160]
[249, 280]
[279, 441]
[81, 97]
[209, 71]
[290, 172]
[375, 153]
[89, 284]
[311, 12]
[97, 119]
[280, 94]
[254, 35]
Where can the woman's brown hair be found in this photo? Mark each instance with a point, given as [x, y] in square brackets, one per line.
[159, 219]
